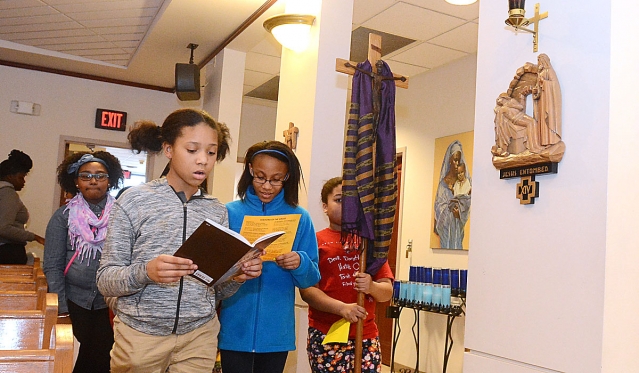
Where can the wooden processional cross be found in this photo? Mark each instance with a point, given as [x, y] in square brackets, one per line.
[348, 67]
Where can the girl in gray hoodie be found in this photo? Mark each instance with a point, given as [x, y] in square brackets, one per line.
[163, 317]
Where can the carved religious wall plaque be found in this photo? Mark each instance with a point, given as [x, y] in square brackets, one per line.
[528, 145]
[290, 136]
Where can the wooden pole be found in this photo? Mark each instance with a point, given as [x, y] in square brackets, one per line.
[359, 331]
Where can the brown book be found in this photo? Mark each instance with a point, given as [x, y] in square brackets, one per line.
[219, 251]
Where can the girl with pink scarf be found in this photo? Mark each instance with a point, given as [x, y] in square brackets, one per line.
[77, 232]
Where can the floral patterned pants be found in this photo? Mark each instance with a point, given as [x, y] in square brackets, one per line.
[338, 357]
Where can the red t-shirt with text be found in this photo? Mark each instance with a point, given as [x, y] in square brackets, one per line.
[338, 267]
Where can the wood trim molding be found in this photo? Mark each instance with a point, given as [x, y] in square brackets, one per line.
[85, 76]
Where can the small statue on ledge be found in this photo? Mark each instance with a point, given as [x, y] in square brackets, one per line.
[522, 140]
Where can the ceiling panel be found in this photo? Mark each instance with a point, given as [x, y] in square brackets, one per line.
[30, 38]
[269, 47]
[363, 10]
[117, 14]
[26, 12]
[130, 36]
[268, 91]
[428, 55]
[247, 88]
[10, 4]
[115, 22]
[359, 43]
[41, 30]
[256, 78]
[463, 38]
[126, 44]
[31, 19]
[88, 46]
[121, 30]
[467, 12]
[404, 68]
[263, 63]
[75, 6]
[92, 41]
[413, 22]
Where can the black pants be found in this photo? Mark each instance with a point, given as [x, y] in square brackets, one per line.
[13, 253]
[250, 362]
[92, 328]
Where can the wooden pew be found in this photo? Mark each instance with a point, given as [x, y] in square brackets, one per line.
[29, 329]
[23, 299]
[30, 340]
[23, 282]
[56, 359]
[20, 269]
[24, 286]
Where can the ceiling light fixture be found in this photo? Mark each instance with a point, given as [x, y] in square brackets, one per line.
[293, 31]
[461, 2]
[517, 19]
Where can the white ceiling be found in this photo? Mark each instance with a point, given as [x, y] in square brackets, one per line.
[139, 41]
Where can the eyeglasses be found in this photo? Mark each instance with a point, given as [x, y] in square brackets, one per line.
[274, 182]
[87, 176]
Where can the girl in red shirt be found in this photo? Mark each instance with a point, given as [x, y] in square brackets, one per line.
[335, 296]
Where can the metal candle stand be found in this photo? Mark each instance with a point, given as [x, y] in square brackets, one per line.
[423, 292]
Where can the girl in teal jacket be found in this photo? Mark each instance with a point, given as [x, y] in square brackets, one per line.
[258, 322]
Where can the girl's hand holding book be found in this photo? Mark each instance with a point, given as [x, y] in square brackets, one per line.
[250, 269]
[168, 268]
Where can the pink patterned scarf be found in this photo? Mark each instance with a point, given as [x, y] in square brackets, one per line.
[86, 231]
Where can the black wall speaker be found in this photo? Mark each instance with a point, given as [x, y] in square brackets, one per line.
[187, 81]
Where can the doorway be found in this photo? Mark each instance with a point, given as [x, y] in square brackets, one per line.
[137, 167]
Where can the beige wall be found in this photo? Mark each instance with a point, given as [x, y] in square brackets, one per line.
[621, 330]
[537, 274]
[438, 103]
[258, 123]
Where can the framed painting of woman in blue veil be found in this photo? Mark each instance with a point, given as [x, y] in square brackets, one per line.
[452, 190]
